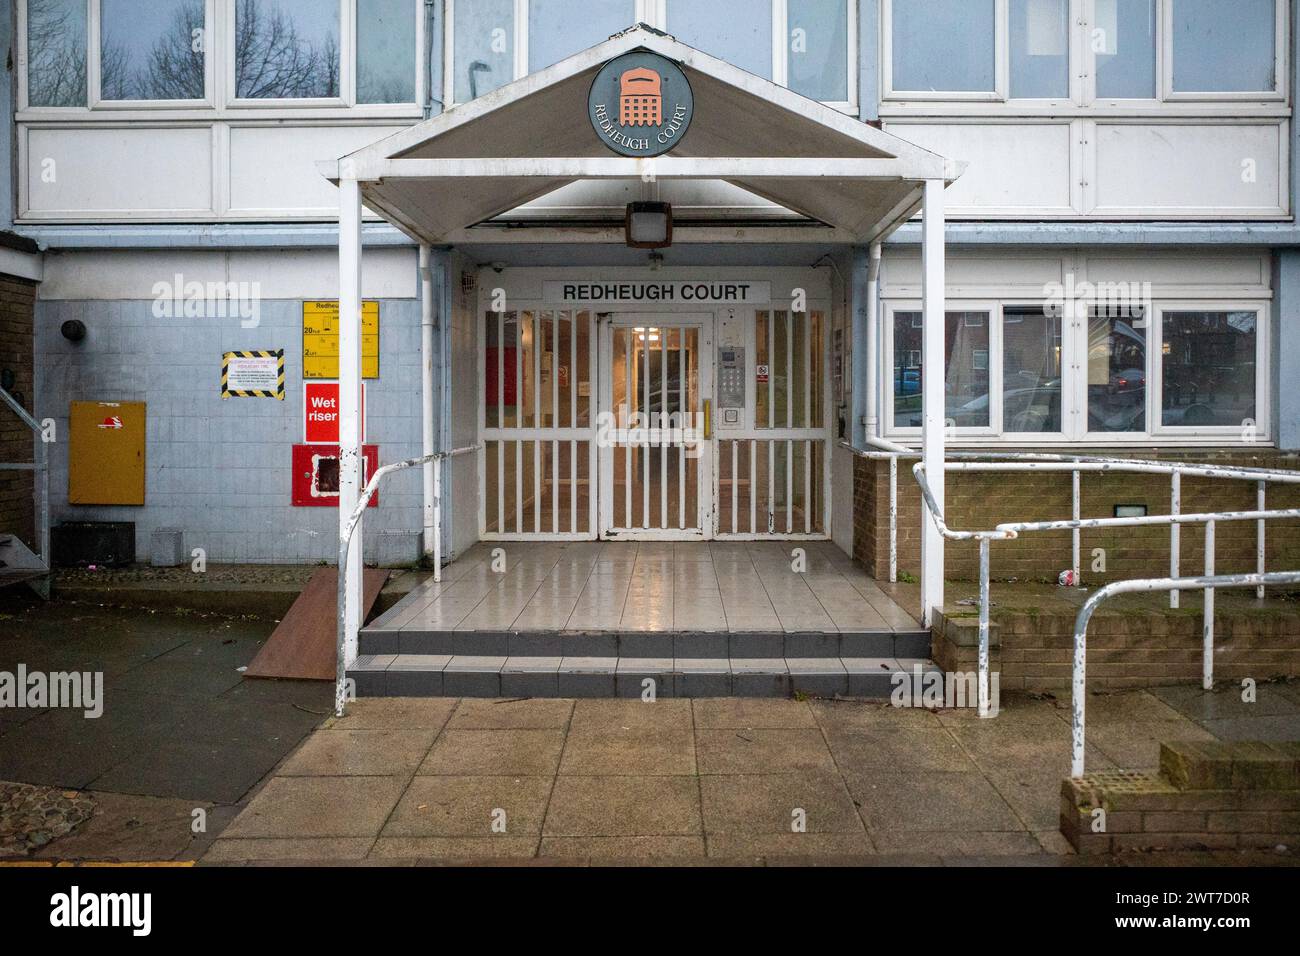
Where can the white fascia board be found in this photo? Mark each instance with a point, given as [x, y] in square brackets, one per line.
[24, 265]
[661, 167]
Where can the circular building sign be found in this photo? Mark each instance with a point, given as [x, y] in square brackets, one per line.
[640, 104]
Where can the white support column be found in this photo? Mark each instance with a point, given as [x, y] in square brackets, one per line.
[350, 399]
[933, 309]
[429, 545]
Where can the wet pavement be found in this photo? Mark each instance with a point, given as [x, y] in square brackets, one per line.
[181, 730]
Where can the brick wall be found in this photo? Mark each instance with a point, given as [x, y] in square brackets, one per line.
[17, 507]
[1207, 796]
[981, 501]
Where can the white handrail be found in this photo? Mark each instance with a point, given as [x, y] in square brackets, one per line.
[1208, 582]
[345, 542]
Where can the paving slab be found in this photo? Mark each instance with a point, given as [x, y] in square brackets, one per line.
[519, 751]
[636, 848]
[623, 806]
[643, 750]
[861, 749]
[382, 753]
[752, 712]
[395, 713]
[534, 713]
[776, 803]
[740, 750]
[601, 715]
[501, 846]
[802, 847]
[930, 801]
[319, 807]
[470, 806]
[228, 850]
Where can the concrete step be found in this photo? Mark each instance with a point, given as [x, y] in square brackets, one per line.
[446, 675]
[648, 644]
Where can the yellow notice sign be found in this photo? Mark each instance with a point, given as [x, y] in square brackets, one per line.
[320, 339]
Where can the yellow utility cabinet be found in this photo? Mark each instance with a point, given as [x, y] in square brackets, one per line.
[106, 453]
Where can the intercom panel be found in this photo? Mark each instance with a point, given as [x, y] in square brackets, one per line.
[732, 371]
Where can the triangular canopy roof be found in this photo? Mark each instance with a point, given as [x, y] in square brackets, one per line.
[480, 159]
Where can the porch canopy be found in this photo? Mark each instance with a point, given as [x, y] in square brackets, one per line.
[446, 179]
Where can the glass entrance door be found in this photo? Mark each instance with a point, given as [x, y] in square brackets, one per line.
[653, 429]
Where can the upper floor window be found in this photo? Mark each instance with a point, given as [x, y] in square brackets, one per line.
[492, 42]
[1083, 51]
[129, 53]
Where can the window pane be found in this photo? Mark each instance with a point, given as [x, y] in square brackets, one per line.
[554, 32]
[386, 51]
[1209, 368]
[1031, 371]
[484, 47]
[1117, 377]
[944, 45]
[818, 59]
[1224, 47]
[56, 52]
[286, 49]
[148, 53]
[966, 344]
[1040, 48]
[1124, 39]
[738, 31]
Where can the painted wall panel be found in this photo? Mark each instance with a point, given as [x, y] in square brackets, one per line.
[273, 168]
[1189, 169]
[1015, 168]
[123, 174]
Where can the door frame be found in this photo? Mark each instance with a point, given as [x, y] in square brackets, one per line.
[605, 324]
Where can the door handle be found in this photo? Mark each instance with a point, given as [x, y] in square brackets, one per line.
[708, 419]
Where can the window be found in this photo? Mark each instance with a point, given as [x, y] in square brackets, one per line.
[1124, 42]
[817, 56]
[1208, 369]
[493, 42]
[286, 49]
[1224, 47]
[1117, 370]
[386, 54]
[554, 33]
[738, 31]
[1031, 371]
[56, 52]
[1040, 49]
[484, 51]
[154, 52]
[944, 45]
[966, 392]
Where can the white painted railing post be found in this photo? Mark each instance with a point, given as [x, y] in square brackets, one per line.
[1175, 531]
[350, 460]
[933, 373]
[1207, 622]
[984, 710]
[1076, 534]
[427, 545]
[1261, 558]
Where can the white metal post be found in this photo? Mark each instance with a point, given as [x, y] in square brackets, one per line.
[429, 545]
[933, 310]
[1207, 622]
[350, 401]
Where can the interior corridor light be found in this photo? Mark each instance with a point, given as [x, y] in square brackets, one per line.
[649, 225]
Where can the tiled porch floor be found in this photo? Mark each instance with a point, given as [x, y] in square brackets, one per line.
[632, 586]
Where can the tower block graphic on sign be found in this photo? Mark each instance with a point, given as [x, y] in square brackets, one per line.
[640, 98]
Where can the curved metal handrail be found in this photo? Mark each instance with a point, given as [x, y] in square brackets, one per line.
[345, 543]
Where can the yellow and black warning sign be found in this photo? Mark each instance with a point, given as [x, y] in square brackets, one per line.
[320, 339]
[253, 374]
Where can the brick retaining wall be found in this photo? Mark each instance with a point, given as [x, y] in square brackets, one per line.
[17, 507]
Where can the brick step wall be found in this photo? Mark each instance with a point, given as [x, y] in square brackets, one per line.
[1206, 796]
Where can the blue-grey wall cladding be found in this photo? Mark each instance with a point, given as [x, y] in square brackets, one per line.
[220, 469]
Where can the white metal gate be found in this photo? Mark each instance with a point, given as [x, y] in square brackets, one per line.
[655, 457]
[536, 416]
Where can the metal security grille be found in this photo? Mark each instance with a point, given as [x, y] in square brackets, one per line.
[538, 458]
[772, 478]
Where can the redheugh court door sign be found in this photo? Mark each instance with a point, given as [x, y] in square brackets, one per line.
[640, 104]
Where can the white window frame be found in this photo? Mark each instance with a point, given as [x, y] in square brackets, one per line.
[1281, 40]
[994, 312]
[654, 13]
[1155, 411]
[94, 53]
[219, 100]
[1001, 63]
